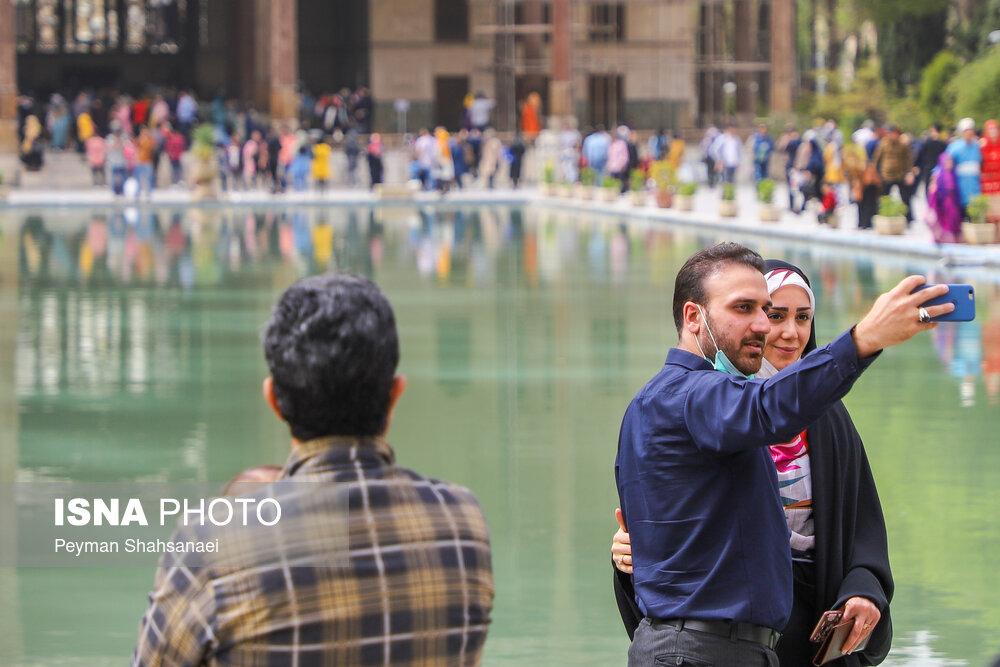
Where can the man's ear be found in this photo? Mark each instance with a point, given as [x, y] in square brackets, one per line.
[395, 391]
[692, 318]
[272, 400]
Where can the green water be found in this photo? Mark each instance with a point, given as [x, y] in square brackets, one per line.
[129, 350]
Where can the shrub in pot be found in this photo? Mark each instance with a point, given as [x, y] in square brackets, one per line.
[727, 207]
[611, 187]
[979, 230]
[637, 187]
[548, 185]
[585, 188]
[684, 199]
[765, 196]
[665, 178]
[891, 218]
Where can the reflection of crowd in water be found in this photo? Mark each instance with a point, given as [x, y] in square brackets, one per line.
[970, 350]
[464, 246]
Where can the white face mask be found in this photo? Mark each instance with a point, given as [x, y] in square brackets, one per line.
[721, 361]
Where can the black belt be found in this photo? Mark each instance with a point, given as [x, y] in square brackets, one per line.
[748, 632]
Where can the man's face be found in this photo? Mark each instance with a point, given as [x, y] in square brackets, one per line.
[736, 310]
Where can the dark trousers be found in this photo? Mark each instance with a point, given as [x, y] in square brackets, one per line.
[657, 643]
[795, 649]
[868, 206]
[905, 193]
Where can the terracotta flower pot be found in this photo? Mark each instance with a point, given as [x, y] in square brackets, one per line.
[664, 198]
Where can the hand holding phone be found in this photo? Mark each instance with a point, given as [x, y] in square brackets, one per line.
[964, 298]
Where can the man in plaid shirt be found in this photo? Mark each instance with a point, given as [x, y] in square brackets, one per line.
[370, 563]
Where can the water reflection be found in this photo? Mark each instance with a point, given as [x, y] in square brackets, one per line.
[524, 334]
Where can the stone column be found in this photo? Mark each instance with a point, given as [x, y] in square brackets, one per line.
[283, 69]
[8, 79]
[746, 35]
[561, 86]
[782, 55]
[273, 57]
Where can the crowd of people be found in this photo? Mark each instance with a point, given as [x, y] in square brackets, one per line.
[822, 164]
[121, 137]
[125, 138]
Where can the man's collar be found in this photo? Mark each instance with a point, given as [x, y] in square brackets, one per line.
[336, 450]
[688, 360]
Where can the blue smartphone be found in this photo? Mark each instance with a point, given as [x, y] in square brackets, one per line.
[964, 298]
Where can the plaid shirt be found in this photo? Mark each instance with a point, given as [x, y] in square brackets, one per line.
[410, 584]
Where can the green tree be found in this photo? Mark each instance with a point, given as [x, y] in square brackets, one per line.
[970, 38]
[976, 87]
[937, 99]
[907, 44]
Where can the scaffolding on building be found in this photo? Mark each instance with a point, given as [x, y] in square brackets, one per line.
[731, 56]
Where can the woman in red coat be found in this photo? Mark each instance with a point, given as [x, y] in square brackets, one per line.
[989, 146]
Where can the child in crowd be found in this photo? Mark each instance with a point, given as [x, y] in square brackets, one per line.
[321, 165]
[300, 168]
[828, 205]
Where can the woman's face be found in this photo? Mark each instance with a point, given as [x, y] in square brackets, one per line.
[791, 322]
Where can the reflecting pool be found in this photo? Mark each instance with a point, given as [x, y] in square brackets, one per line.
[129, 350]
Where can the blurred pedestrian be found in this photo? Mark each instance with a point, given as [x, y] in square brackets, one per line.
[895, 165]
[944, 211]
[174, 147]
[321, 165]
[374, 153]
[531, 116]
[143, 171]
[517, 150]
[761, 148]
[964, 150]
[96, 149]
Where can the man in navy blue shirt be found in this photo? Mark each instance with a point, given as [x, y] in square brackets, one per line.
[698, 490]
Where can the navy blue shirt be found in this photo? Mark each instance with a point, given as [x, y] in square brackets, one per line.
[698, 488]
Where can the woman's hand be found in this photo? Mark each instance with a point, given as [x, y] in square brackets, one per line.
[866, 616]
[621, 546]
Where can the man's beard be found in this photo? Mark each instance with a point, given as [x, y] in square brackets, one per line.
[746, 362]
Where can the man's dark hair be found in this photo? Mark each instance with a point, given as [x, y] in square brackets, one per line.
[690, 282]
[332, 349]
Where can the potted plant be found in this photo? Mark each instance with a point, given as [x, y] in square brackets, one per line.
[564, 189]
[978, 230]
[665, 178]
[891, 218]
[765, 195]
[611, 187]
[547, 187]
[727, 207]
[684, 199]
[205, 168]
[637, 187]
[585, 188]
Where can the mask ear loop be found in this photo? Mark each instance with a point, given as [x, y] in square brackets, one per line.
[709, 330]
